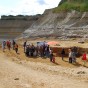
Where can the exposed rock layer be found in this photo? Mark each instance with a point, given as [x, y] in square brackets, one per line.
[13, 26]
[63, 24]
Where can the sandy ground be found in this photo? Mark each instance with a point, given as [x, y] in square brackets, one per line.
[62, 43]
[19, 71]
[40, 75]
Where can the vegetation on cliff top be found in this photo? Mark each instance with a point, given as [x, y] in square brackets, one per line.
[68, 5]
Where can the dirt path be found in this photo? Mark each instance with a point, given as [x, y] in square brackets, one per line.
[29, 75]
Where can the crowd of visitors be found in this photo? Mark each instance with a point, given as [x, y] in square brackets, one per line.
[42, 50]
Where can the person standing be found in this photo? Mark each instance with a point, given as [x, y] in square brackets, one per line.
[3, 45]
[84, 58]
[32, 50]
[8, 44]
[27, 50]
[16, 48]
[13, 44]
[24, 45]
[73, 56]
[51, 55]
[62, 53]
[70, 56]
[47, 51]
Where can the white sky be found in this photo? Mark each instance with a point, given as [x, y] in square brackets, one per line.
[26, 7]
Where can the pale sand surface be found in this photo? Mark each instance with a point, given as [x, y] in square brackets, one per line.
[19, 71]
[40, 75]
[62, 43]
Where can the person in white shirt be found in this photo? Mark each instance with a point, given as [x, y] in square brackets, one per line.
[70, 56]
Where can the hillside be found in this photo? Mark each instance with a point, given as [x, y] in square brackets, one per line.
[70, 24]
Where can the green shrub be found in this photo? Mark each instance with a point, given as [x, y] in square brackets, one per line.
[77, 5]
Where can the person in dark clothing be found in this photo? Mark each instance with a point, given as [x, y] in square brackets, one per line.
[27, 51]
[44, 50]
[47, 51]
[62, 53]
[32, 50]
[24, 45]
[16, 47]
[37, 50]
[41, 51]
[13, 43]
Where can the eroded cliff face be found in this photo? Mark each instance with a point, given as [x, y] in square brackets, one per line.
[71, 24]
[13, 26]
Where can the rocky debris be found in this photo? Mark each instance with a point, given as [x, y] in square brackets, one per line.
[81, 72]
[16, 79]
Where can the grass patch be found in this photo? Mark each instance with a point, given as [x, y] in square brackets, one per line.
[68, 6]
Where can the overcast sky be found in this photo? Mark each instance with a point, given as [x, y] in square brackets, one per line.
[26, 7]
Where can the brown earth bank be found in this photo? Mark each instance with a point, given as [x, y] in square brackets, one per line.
[19, 71]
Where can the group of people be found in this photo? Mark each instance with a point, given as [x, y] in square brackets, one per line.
[39, 50]
[72, 54]
[43, 50]
[10, 44]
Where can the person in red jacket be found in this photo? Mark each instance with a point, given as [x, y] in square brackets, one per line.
[84, 58]
[8, 44]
